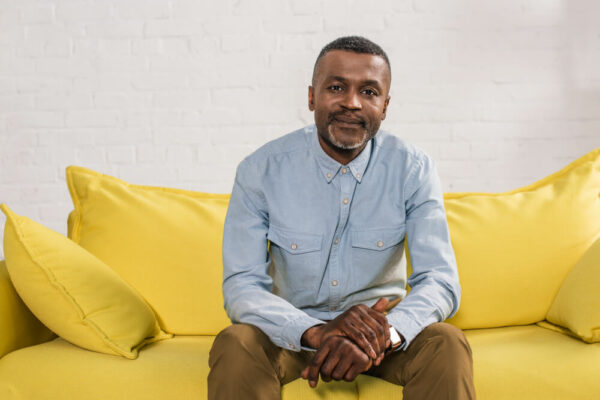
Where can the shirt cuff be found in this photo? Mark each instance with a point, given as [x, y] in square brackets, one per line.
[405, 326]
[291, 334]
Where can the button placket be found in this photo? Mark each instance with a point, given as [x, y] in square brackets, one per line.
[347, 187]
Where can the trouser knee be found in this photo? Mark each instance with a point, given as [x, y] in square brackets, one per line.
[452, 349]
[237, 342]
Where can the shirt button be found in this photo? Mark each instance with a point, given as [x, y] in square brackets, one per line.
[336, 241]
[357, 176]
[333, 308]
[344, 170]
[294, 246]
[380, 244]
[292, 346]
[346, 201]
[334, 282]
[328, 175]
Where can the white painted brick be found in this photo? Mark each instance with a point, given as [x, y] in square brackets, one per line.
[116, 29]
[159, 81]
[180, 155]
[233, 96]
[120, 154]
[64, 139]
[90, 154]
[172, 136]
[184, 9]
[162, 28]
[154, 175]
[191, 63]
[355, 23]
[132, 135]
[114, 46]
[182, 100]
[82, 11]
[259, 8]
[10, 65]
[175, 46]
[16, 102]
[121, 100]
[68, 67]
[294, 24]
[35, 119]
[306, 7]
[143, 46]
[143, 10]
[205, 44]
[232, 25]
[454, 151]
[91, 119]
[149, 153]
[61, 101]
[58, 47]
[37, 13]
[102, 81]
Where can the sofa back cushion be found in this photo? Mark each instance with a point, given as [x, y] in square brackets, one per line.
[515, 249]
[164, 242]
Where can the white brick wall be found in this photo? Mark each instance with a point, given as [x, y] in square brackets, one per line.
[177, 92]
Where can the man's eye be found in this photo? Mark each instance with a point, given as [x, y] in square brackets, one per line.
[335, 88]
[370, 92]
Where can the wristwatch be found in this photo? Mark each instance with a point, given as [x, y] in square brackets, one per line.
[395, 339]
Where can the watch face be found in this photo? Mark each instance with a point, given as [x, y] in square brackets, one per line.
[394, 337]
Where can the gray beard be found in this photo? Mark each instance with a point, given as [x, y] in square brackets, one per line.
[345, 146]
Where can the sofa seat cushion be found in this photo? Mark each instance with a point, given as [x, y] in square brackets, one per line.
[530, 362]
[526, 362]
[170, 369]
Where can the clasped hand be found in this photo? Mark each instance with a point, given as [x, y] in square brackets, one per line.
[349, 344]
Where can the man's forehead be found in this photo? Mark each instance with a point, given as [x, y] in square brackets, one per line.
[342, 63]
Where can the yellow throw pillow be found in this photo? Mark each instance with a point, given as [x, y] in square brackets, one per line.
[164, 242]
[73, 293]
[515, 249]
[577, 304]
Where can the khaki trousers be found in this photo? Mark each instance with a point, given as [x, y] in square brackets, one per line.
[245, 364]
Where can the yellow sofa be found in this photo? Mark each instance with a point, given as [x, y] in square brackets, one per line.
[529, 264]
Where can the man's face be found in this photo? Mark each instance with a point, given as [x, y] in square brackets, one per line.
[349, 97]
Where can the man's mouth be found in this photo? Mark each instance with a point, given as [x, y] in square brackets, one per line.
[347, 120]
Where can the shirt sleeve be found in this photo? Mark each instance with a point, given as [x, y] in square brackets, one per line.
[247, 285]
[435, 290]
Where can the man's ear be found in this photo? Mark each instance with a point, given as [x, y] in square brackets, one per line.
[385, 106]
[311, 98]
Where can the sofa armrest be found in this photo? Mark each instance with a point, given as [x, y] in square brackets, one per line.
[19, 327]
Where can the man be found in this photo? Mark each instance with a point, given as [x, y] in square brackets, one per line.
[313, 244]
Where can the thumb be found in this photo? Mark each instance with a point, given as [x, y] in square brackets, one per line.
[381, 304]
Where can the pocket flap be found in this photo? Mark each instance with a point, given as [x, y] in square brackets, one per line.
[295, 242]
[379, 239]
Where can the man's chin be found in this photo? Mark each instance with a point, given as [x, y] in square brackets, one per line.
[339, 142]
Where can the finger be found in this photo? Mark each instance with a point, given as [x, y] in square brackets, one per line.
[330, 363]
[342, 367]
[315, 365]
[382, 320]
[353, 372]
[359, 338]
[374, 331]
[381, 304]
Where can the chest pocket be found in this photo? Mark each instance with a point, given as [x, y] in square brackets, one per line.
[297, 259]
[376, 248]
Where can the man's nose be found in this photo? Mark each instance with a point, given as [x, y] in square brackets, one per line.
[351, 100]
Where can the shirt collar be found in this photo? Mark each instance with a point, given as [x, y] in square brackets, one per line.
[330, 167]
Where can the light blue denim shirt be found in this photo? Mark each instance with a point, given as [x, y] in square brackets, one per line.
[306, 238]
